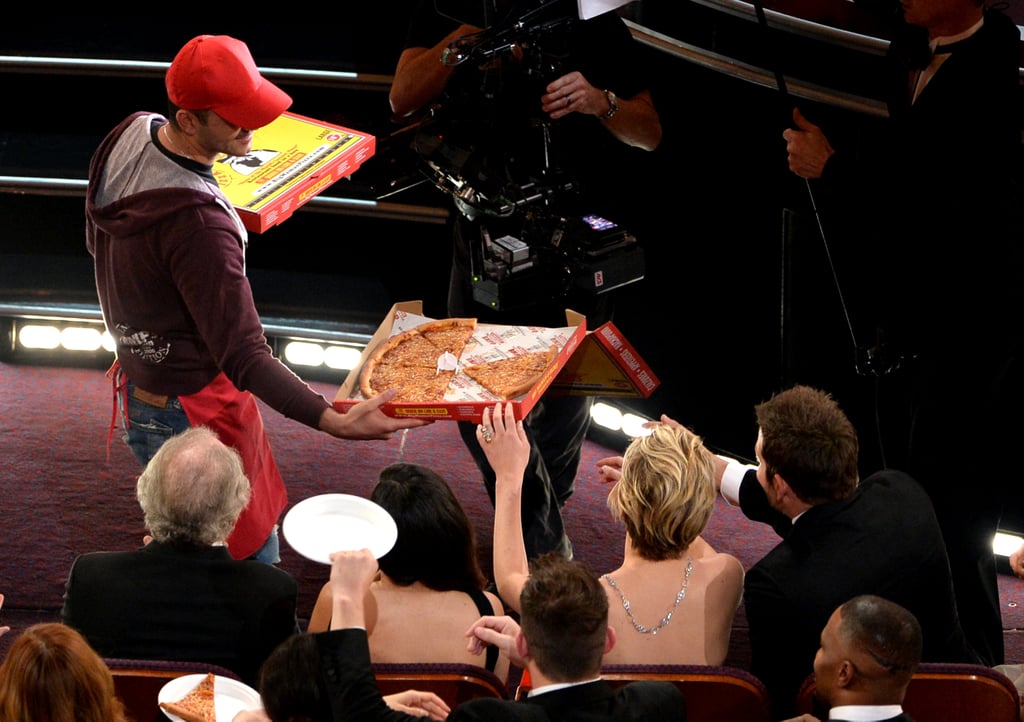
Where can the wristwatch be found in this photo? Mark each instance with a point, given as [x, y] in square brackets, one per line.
[613, 105]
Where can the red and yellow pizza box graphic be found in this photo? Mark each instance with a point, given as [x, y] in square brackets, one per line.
[605, 364]
[291, 161]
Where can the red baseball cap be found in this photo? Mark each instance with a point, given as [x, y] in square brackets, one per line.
[217, 72]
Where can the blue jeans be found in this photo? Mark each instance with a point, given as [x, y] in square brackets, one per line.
[148, 427]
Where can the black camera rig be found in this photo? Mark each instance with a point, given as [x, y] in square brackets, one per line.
[550, 256]
[499, 160]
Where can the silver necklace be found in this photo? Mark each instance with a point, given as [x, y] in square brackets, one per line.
[668, 616]
[167, 135]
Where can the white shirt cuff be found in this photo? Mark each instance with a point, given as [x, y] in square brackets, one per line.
[732, 478]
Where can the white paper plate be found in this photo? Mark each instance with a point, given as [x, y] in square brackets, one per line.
[229, 695]
[320, 525]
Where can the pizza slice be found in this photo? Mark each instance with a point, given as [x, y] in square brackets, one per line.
[416, 350]
[419, 385]
[387, 362]
[196, 706]
[449, 334]
[379, 376]
[412, 363]
[513, 376]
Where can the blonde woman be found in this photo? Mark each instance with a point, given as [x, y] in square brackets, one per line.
[673, 598]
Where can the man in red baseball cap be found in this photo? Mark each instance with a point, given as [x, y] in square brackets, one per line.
[216, 72]
[217, 97]
[169, 252]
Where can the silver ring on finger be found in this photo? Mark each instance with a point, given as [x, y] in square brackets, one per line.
[486, 433]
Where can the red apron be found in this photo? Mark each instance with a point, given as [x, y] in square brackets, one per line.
[235, 417]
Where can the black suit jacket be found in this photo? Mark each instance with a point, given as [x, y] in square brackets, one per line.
[194, 604]
[345, 664]
[883, 540]
[932, 226]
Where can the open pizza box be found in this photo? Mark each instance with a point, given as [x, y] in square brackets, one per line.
[467, 401]
[292, 160]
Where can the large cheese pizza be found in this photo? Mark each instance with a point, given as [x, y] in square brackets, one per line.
[422, 362]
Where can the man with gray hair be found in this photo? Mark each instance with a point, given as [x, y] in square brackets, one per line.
[182, 595]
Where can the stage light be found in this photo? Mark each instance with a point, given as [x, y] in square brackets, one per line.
[72, 340]
[37, 336]
[633, 425]
[59, 335]
[343, 358]
[316, 354]
[1006, 543]
[304, 353]
[78, 338]
[615, 427]
[606, 416]
[613, 418]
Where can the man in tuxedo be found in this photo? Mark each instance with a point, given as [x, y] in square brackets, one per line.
[840, 538]
[937, 258]
[869, 651]
[182, 596]
[561, 642]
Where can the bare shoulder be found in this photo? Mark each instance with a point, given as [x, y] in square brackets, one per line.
[726, 587]
[320, 618]
[722, 568]
[496, 604]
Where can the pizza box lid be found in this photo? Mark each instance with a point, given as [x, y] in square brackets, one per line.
[292, 160]
[605, 364]
[455, 410]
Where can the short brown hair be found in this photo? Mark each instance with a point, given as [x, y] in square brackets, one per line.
[808, 441]
[564, 618]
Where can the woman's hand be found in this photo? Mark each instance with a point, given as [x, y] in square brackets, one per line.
[420, 704]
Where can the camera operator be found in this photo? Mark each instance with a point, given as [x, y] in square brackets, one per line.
[553, 112]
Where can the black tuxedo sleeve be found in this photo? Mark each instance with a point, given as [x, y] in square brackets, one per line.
[348, 675]
[755, 506]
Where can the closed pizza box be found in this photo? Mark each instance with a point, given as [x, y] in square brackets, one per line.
[605, 364]
[348, 394]
[292, 160]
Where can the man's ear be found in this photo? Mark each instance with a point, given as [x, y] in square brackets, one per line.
[845, 674]
[522, 646]
[187, 121]
[783, 490]
[610, 639]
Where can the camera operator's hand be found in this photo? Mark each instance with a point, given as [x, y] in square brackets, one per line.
[633, 121]
[422, 74]
[572, 93]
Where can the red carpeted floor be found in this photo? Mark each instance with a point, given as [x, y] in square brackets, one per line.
[60, 495]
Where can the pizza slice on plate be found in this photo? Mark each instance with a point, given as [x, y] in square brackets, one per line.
[196, 706]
